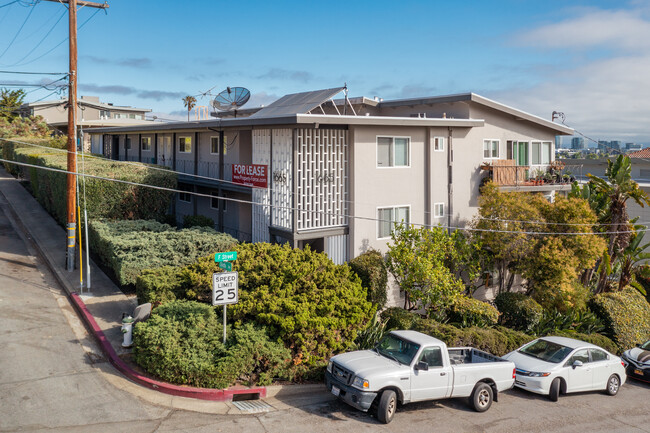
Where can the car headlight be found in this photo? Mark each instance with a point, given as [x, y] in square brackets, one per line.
[361, 383]
[538, 374]
[329, 367]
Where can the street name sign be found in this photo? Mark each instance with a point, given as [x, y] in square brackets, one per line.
[230, 256]
[225, 288]
[226, 266]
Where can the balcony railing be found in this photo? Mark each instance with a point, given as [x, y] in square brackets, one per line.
[504, 172]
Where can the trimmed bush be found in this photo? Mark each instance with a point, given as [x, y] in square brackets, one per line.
[626, 316]
[466, 312]
[371, 268]
[129, 247]
[190, 221]
[181, 343]
[518, 311]
[399, 318]
[104, 199]
[159, 285]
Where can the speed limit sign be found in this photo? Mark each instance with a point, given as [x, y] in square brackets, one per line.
[225, 288]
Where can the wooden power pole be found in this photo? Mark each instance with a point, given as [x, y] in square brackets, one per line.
[71, 209]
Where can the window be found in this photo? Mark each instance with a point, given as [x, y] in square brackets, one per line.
[214, 145]
[393, 151]
[438, 144]
[128, 143]
[138, 117]
[388, 217]
[214, 201]
[184, 196]
[490, 149]
[438, 210]
[432, 356]
[598, 355]
[580, 355]
[131, 116]
[146, 143]
[541, 152]
[104, 114]
[185, 144]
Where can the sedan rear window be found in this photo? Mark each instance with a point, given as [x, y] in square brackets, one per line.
[546, 351]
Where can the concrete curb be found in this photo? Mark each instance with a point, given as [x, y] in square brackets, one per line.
[167, 388]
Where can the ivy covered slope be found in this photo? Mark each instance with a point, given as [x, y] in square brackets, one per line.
[299, 297]
[129, 247]
[104, 199]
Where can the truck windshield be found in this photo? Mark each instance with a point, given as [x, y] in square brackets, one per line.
[397, 349]
[546, 351]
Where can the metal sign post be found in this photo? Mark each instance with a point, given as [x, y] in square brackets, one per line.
[225, 290]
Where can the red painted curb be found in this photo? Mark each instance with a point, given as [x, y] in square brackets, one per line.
[167, 388]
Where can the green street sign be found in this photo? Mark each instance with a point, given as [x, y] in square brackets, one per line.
[225, 257]
[226, 266]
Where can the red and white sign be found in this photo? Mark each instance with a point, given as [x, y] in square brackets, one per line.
[251, 175]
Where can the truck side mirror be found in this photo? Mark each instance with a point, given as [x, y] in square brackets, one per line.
[422, 366]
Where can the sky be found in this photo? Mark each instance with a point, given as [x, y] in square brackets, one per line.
[587, 59]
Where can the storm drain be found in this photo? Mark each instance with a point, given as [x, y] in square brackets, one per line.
[252, 406]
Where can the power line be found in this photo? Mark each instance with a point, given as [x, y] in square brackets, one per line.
[20, 29]
[33, 73]
[288, 208]
[43, 39]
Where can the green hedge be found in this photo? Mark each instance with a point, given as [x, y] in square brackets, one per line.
[159, 285]
[518, 311]
[182, 343]
[466, 312]
[597, 339]
[371, 268]
[104, 199]
[626, 316]
[190, 221]
[300, 296]
[129, 247]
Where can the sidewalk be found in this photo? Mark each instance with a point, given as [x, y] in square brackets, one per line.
[101, 310]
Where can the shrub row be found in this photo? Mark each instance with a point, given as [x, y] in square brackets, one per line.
[498, 340]
[129, 247]
[182, 343]
[371, 268]
[626, 316]
[518, 311]
[104, 199]
[466, 312]
[299, 296]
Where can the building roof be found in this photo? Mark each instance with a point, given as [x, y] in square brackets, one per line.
[473, 97]
[298, 103]
[643, 153]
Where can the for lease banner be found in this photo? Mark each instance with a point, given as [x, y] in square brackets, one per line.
[250, 174]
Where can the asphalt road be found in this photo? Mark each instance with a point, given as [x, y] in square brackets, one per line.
[52, 378]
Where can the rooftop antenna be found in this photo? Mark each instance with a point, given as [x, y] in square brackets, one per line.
[231, 99]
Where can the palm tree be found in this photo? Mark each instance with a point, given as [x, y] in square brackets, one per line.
[618, 188]
[189, 102]
[629, 260]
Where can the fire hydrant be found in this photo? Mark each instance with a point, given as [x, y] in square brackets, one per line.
[127, 330]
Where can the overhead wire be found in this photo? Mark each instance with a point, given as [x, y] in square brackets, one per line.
[20, 29]
[44, 37]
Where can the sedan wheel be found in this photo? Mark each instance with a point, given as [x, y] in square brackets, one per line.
[613, 385]
[554, 392]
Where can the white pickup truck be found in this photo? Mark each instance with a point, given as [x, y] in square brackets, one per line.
[407, 366]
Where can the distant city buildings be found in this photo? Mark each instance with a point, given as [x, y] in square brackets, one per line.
[578, 143]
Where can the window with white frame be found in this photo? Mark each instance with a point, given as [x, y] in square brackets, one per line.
[438, 144]
[490, 149]
[128, 143]
[146, 144]
[104, 114]
[185, 144]
[393, 151]
[387, 218]
[541, 152]
[185, 196]
[438, 210]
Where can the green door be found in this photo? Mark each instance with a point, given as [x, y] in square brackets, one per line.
[522, 153]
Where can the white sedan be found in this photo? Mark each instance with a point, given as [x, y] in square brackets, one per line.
[559, 365]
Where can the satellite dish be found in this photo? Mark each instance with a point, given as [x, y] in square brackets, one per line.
[231, 99]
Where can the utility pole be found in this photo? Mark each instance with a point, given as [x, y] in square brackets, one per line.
[71, 209]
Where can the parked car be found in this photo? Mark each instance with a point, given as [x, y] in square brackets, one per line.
[560, 365]
[637, 362]
[407, 366]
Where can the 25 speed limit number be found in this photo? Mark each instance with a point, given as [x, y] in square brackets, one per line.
[225, 288]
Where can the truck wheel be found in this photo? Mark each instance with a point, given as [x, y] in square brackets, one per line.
[554, 392]
[482, 397]
[387, 406]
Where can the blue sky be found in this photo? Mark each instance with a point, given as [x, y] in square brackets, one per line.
[588, 59]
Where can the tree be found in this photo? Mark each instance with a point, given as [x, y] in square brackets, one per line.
[628, 262]
[10, 101]
[417, 259]
[189, 102]
[618, 189]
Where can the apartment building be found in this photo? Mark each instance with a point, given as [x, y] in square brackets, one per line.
[321, 169]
